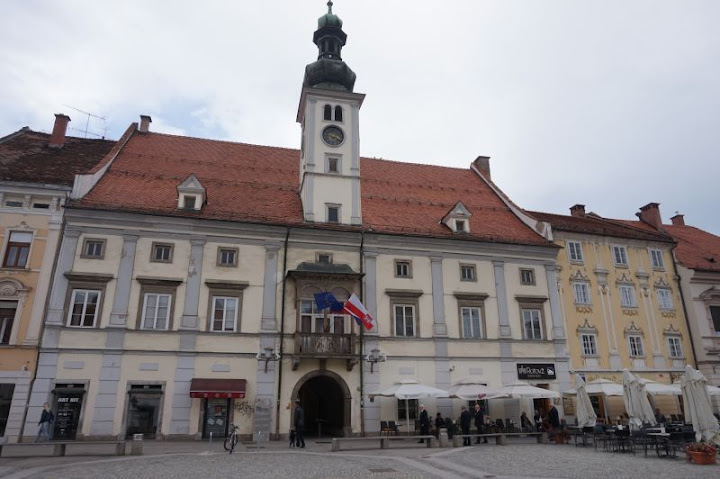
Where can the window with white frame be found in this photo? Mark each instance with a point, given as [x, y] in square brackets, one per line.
[581, 292]
[575, 251]
[18, 249]
[227, 256]
[312, 320]
[588, 342]
[472, 322]
[532, 323]
[467, 272]
[619, 254]
[93, 248]
[84, 306]
[635, 345]
[224, 314]
[7, 317]
[404, 317]
[162, 253]
[656, 259]
[403, 268]
[665, 300]
[627, 296]
[156, 311]
[527, 276]
[675, 347]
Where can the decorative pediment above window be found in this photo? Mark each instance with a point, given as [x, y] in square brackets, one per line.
[586, 328]
[624, 279]
[662, 284]
[191, 194]
[10, 287]
[633, 330]
[671, 331]
[579, 276]
[709, 295]
[458, 219]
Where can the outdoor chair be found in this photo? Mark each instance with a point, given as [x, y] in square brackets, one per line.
[500, 425]
[393, 427]
[674, 418]
[384, 428]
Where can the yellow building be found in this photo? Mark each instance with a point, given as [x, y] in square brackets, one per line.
[37, 172]
[621, 302]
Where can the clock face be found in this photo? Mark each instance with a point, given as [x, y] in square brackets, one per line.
[333, 136]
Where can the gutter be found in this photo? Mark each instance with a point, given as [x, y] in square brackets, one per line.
[282, 338]
[360, 352]
[684, 306]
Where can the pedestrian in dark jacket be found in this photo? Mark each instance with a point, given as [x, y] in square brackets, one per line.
[479, 422]
[299, 423]
[46, 420]
[424, 422]
[439, 423]
[465, 425]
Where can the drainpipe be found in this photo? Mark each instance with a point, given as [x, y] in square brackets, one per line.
[684, 306]
[362, 330]
[282, 338]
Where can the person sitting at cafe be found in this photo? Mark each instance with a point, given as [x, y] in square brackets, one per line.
[439, 423]
[538, 421]
[525, 424]
[659, 417]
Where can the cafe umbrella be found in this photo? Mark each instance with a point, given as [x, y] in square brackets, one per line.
[471, 389]
[586, 416]
[410, 389]
[698, 407]
[636, 401]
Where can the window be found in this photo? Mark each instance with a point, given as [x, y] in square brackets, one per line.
[41, 206]
[407, 409]
[715, 316]
[588, 342]
[532, 323]
[14, 204]
[224, 316]
[581, 292]
[527, 276]
[84, 307]
[161, 253]
[460, 226]
[627, 296]
[189, 202]
[467, 272]
[6, 396]
[404, 319]
[323, 258]
[338, 113]
[665, 300]
[636, 346]
[620, 255]
[312, 320]
[327, 112]
[227, 257]
[675, 347]
[7, 315]
[403, 269]
[656, 259]
[156, 311]
[333, 164]
[93, 248]
[575, 252]
[333, 214]
[472, 324]
[18, 249]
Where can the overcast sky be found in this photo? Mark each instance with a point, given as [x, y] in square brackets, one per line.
[609, 103]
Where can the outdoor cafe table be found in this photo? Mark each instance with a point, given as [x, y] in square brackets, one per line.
[583, 432]
[662, 443]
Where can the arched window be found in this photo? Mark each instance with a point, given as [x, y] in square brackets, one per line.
[338, 113]
[327, 115]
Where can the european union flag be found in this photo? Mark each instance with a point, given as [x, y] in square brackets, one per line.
[328, 300]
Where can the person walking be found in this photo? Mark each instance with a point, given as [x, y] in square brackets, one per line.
[424, 423]
[298, 423]
[465, 425]
[479, 422]
[46, 420]
[439, 424]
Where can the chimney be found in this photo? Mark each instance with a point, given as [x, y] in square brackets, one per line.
[678, 220]
[650, 214]
[57, 139]
[577, 210]
[482, 163]
[145, 121]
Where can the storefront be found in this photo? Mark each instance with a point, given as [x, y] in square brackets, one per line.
[67, 407]
[143, 414]
[217, 396]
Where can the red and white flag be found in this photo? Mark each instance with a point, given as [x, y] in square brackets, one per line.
[356, 309]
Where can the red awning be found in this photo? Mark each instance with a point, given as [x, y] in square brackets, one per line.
[217, 388]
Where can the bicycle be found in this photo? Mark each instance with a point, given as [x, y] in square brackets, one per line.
[232, 439]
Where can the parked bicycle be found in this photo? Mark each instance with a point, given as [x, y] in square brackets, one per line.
[232, 439]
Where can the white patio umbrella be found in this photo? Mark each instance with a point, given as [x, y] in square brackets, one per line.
[713, 390]
[410, 389]
[661, 389]
[636, 401]
[698, 407]
[524, 390]
[472, 389]
[586, 416]
[603, 387]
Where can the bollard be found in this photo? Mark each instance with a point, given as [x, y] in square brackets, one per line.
[137, 445]
[443, 437]
[210, 443]
[457, 441]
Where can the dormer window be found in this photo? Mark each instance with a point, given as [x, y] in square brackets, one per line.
[460, 226]
[191, 194]
[458, 219]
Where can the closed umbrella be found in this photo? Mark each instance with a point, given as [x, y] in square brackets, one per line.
[698, 407]
[524, 390]
[636, 401]
[586, 416]
[410, 389]
[472, 389]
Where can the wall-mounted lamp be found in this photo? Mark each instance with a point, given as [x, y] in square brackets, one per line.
[267, 354]
[375, 356]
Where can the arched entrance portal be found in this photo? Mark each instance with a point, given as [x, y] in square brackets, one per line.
[326, 400]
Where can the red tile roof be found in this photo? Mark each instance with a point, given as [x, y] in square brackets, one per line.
[595, 225]
[696, 249]
[26, 158]
[260, 184]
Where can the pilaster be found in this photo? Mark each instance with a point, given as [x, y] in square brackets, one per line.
[192, 290]
[123, 285]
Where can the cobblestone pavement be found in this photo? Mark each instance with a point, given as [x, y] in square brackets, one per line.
[513, 461]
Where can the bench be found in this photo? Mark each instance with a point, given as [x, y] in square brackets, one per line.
[500, 437]
[384, 440]
[59, 447]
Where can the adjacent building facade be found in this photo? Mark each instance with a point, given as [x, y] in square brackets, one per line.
[183, 294]
[37, 171]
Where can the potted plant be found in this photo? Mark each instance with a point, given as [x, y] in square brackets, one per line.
[701, 453]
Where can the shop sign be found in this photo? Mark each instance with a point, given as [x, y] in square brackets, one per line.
[536, 371]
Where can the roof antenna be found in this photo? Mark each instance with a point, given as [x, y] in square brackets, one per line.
[87, 131]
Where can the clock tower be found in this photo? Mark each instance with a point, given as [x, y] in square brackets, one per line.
[329, 117]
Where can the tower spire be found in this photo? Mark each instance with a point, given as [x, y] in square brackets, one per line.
[329, 71]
